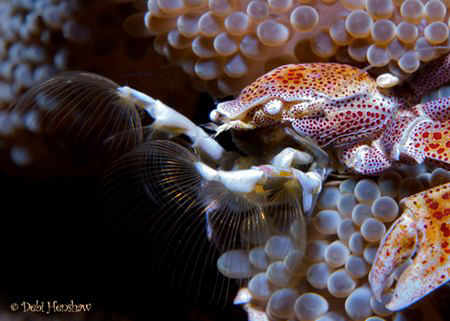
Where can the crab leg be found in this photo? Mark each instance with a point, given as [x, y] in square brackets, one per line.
[424, 226]
[418, 134]
[173, 123]
[247, 180]
[426, 140]
[365, 159]
[290, 156]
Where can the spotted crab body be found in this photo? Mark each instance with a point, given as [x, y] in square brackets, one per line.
[341, 106]
[317, 100]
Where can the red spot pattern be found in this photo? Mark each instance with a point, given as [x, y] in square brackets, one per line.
[445, 230]
[431, 207]
[439, 215]
[428, 140]
[434, 205]
[292, 81]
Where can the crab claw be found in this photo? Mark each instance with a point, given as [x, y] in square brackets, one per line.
[397, 246]
[424, 229]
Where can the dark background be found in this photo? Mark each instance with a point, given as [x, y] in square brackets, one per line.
[59, 241]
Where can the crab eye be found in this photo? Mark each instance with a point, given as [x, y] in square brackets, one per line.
[273, 107]
[216, 116]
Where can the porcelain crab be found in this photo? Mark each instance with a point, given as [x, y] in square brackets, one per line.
[340, 106]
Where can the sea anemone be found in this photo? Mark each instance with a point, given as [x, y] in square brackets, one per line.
[35, 37]
[41, 38]
[331, 282]
[225, 44]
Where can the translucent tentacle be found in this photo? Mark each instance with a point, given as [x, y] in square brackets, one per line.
[234, 221]
[73, 121]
